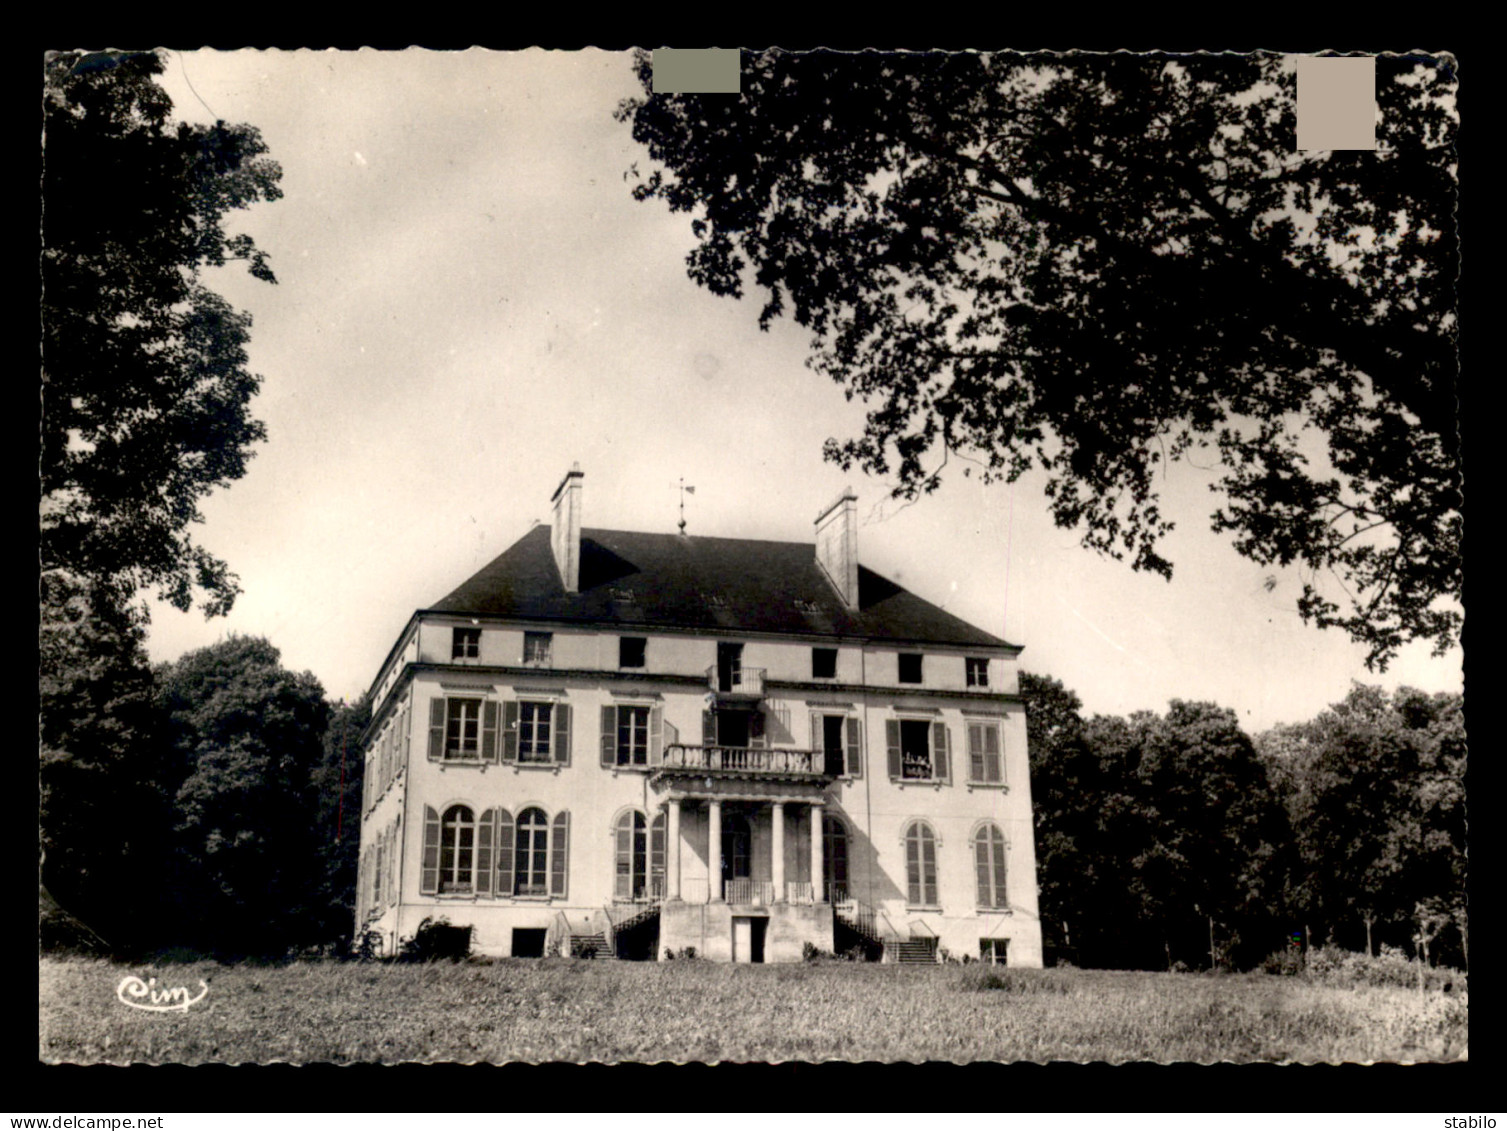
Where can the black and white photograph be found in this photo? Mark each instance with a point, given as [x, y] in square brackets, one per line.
[750, 556]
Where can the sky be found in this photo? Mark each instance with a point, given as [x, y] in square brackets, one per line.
[469, 301]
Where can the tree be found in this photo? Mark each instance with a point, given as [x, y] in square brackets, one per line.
[102, 813]
[1100, 264]
[144, 378]
[1375, 791]
[336, 783]
[246, 738]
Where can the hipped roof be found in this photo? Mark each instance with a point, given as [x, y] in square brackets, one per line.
[723, 585]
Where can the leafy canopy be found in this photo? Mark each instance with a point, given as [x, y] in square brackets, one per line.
[1099, 264]
[145, 385]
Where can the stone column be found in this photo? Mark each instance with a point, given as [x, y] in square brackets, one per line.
[714, 850]
[816, 852]
[672, 850]
[777, 849]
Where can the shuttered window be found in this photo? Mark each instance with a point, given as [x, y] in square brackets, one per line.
[984, 754]
[917, 750]
[989, 860]
[559, 853]
[535, 730]
[921, 865]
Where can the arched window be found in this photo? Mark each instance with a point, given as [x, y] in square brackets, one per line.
[921, 864]
[639, 862]
[457, 850]
[835, 858]
[531, 860]
[989, 854]
[737, 847]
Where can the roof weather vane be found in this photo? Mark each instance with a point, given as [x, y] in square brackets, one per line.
[684, 491]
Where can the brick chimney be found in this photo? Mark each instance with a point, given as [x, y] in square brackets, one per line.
[837, 545]
[565, 531]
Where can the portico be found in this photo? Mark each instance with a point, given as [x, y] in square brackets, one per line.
[744, 856]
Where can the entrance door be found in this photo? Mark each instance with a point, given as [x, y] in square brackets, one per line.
[742, 940]
[737, 847]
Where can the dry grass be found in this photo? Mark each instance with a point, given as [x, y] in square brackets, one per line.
[579, 1011]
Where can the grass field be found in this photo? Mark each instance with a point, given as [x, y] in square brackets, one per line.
[578, 1011]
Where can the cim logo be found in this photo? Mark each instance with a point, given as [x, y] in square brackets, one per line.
[137, 994]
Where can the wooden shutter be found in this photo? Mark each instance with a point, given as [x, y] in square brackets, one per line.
[489, 730]
[502, 849]
[929, 866]
[437, 729]
[855, 747]
[818, 744]
[392, 873]
[509, 730]
[561, 715]
[407, 731]
[940, 770]
[429, 879]
[486, 829]
[913, 865]
[708, 729]
[609, 736]
[892, 741]
[559, 853]
[977, 771]
[756, 730]
[981, 858]
[994, 763]
[656, 735]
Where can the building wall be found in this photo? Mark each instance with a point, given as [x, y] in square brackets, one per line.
[875, 809]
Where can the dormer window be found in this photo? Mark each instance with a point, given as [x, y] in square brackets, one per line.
[910, 667]
[465, 644]
[536, 646]
[978, 671]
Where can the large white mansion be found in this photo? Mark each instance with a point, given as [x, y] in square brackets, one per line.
[630, 744]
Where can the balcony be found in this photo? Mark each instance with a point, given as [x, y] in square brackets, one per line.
[735, 681]
[741, 760]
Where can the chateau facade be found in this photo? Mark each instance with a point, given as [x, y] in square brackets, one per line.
[626, 744]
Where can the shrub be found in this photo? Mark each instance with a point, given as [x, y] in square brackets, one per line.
[1389, 968]
[436, 939]
[1286, 961]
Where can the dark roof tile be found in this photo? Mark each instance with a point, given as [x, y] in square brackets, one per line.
[689, 582]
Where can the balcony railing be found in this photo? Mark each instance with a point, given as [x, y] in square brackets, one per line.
[749, 893]
[749, 759]
[651, 890]
[799, 892]
[735, 681]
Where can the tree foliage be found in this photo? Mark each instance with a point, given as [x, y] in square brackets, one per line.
[336, 783]
[1098, 264]
[145, 381]
[102, 814]
[246, 738]
[1375, 789]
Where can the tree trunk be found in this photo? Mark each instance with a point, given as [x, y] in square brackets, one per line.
[1369, 919]
[1212, 963]
[1167, 948]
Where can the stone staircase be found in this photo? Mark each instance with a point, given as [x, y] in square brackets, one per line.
[580, 944]
[915, 950]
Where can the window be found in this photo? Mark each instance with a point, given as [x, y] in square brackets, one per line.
[824, 663]
[630, 651]
[910, 667]
[632, 735]
[920, 865]
[992, 951]
[465, 643]
[978, 671]
[536, 733]
[457, 850]
[463, 731]
[983, 754]
[531, 854]
[917, 750]
[536, 648]
[640, 859]
[989, 856]
[834, 859]
[838, 742]
[535, 721]
[729, 667]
